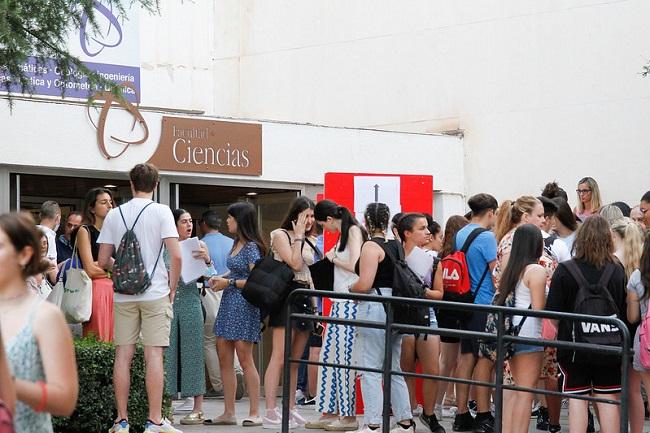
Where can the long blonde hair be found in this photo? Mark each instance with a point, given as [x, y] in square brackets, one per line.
[596, 202]
[633, 237]
[510, 213]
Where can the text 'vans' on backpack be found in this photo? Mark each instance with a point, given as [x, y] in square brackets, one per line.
[406, 284]
[130, 276]
[594, 300]
[456, 280]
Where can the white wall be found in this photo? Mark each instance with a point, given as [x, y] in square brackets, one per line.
[543, 89]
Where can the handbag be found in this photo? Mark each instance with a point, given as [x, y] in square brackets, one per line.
[77, 301]
[322, 274]
[268, 284]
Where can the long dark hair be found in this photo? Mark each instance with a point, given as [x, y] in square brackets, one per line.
[328, 208]
[22, 233]
[407, 222]
[247, 227]
[527, 248]
[454, 224]
[298, 205]
[376, 216]
[644, 268]
[564, 214]
[178, 213]
[90, 200]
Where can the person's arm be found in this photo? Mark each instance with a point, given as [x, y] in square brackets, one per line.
[536, 282]
[436, 292]
[633, 307]
[51, 272]
[7, 390]
[105, 257]
[355, 241]
[371, 255]
[289, 254]
[61, 382]
[85, 253]
[175, 263]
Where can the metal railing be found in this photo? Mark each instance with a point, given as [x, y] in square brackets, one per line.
[391, 327]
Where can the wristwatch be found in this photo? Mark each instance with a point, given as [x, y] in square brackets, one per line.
[232, 282]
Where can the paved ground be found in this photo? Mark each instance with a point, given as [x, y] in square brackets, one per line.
[214, 407]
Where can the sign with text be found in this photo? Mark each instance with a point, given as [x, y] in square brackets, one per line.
[113, 51]
[213, 146]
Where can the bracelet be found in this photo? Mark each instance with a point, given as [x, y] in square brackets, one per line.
[208, 263]
[43, 402]
[298, 239]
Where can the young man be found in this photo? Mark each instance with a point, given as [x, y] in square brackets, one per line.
[63, 246]
[50, 215]
[219, 246]
[148, 313]
[644, 207]
[481, 259]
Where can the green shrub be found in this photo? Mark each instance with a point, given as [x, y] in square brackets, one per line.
[96, 406]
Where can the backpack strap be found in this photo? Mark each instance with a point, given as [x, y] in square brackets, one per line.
[577, 274]
[136, 218]
[314, 247]
[607, 275]
[473, 235]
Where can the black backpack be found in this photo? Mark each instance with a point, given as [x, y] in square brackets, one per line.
[594, 300]
[406, 284]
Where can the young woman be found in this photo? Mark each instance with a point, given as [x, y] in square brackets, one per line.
[449, 347]
[36, 338]
[589, 201]
[289, 245]
[566, 223]
[611, 213]
[527, 278]
[184, 361]
[638, 295]
[98, 202]
[512, 214]
[414, 232]
[237, 326]
[336, 396]
[581, 372]
[436, 238]
[628, 240]
[375, 269]
[42, 283]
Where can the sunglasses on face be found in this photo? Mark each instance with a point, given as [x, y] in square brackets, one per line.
[583, 191]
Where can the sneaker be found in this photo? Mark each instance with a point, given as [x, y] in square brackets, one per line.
[449, 411]
[472, 406]
[437, 410]
[535, 411]
[366, 429]
[273, 420]
[432, 423]
[399, 429]
[194, 418]
[299, 395]
[590, 422]
[122, 426]
[299, 419]
[555, 428]
[417, 411]
[164, 427]
[463, 422]
[241, 389]
[309, 402]
[483, 425]
[542, 419]
[185, 406]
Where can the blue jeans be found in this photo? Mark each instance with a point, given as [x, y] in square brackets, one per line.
[369, 347]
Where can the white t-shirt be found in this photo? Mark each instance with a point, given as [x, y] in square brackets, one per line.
[51, 241]
[155, 224]
[568, 241]
[558, 248]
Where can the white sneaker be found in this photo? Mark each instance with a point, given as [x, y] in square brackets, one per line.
[299, 395]
[449, 411]
[164, 427]
[120, 427]
[366, 429]
[185, 406]
[297, 418]
[274, 421]
[399, 429]
[417, 411]
[437, 410]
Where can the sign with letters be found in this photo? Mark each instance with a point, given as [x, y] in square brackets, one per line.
[113, 52]
[209, 146]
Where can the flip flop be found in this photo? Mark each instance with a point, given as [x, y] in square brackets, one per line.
[218, 421]
[252, 422]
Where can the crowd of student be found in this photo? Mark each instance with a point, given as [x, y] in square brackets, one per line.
[533, 252]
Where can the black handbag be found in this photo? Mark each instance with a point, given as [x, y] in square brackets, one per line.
[322, 274]
[268, 284]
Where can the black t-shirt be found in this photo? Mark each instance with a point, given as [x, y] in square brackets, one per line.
[562, 295]
[385, 268]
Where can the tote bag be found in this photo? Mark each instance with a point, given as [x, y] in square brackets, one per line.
[77, 301]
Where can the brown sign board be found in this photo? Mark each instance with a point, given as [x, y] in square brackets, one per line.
[209, 146]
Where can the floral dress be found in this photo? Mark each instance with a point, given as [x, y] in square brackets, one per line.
[237, 319]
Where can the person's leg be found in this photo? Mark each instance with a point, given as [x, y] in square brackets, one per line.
[252, 378]
[211, 302]
[554, 404]
[274, 369]
[399, 395]
[154, 379]
[428, 351]
[448, 361]
[407, 364]
[347, 384]
[122, 378]
[303, 380]
[198, 404]
[483, 372]
[370, 349]
[298, 342]
[464, 370]
[226, 351]
[312, 371]
[608, 414]
[635, 401]
[577, 415]
[525, 369]
[327, 386]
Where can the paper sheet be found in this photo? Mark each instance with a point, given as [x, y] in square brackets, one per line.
[421, 263]
[192, 268]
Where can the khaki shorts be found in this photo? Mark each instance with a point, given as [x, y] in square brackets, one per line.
[152, 319]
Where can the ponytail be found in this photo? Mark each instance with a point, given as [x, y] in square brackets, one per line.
[632, 236]
[347, 222]
[510, 213]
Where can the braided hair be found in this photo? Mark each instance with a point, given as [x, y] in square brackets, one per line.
[377, 216]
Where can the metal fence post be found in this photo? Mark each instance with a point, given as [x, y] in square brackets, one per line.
[498, 365]
[388, 361]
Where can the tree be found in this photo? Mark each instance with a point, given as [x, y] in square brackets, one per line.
[41, 28]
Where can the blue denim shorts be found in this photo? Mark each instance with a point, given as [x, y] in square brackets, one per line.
[527, 348]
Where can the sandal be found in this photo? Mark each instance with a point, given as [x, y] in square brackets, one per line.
[252, 422]
[220, 421]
